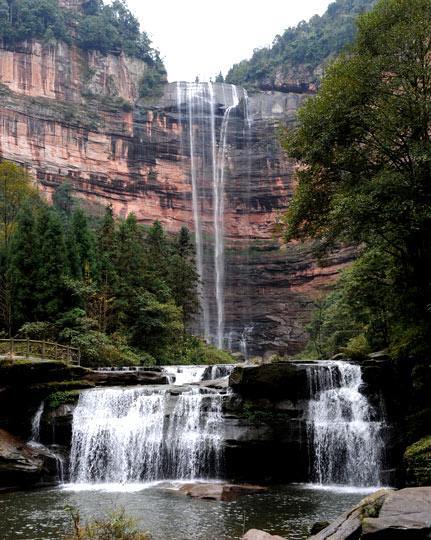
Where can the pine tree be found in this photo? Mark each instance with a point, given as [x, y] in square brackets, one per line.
[51, 292]
[21, 277]
[107, 273]
[183, 276]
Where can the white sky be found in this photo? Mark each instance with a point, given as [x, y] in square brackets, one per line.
[197, 37]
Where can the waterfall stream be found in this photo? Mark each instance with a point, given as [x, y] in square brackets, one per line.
[35, 423]
[204, 115]
[344, 432]
[141, 434]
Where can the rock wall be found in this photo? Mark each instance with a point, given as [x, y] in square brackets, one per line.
[70, 115]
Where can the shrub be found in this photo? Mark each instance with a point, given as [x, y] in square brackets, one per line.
[117, 526]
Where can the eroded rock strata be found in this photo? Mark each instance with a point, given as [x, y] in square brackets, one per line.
[70, 115]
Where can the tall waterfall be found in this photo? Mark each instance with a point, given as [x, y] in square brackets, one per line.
[131, 435]
[205, 114]
[344, 433]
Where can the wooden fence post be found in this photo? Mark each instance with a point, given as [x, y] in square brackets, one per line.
[68, 354]
[56, 350]
[43, 350]
[12, 348]
[27, 352]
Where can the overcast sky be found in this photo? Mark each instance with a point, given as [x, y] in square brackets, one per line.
[197, 37]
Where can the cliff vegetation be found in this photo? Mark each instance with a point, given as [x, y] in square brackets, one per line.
[95, 26]
[364, 181]
[294, 56]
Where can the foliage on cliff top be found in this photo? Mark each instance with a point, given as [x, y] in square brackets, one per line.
[108, 28]
[365, 152]
[306, 46]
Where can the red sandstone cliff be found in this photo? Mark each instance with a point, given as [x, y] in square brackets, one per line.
[65, 114]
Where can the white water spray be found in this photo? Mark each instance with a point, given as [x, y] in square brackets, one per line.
[133, 435]
[345, 438]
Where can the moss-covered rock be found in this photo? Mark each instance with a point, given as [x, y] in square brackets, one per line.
[417, 459]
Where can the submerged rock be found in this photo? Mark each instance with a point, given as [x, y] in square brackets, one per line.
[254, 534]
[220, 492]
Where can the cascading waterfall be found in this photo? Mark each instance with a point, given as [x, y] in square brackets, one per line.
[203, 101]
[132, 435]
[344, 435]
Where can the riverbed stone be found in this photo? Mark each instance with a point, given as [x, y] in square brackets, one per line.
[404, 514]
[255, 534]
[220, 492]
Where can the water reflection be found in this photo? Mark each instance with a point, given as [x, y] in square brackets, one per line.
[167, 515]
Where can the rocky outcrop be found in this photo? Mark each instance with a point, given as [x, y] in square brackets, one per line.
[127, 378]
[70, 115]
[384, 515]
[417, 459]
[22, 464]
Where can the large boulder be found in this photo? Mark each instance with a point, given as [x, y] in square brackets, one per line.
[275, 381]
[22, 464]
[404, 514]
[348, 525]
[385, 515]
[417, 460]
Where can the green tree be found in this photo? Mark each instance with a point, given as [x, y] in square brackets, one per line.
[364, 147]
[52, 295]
[107, 272]
[20, 272]
[183, 277]
[15, 188]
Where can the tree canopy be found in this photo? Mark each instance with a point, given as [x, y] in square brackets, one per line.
[363, 144]
[108, 28]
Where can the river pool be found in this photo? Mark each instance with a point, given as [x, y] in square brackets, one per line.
[167, 515]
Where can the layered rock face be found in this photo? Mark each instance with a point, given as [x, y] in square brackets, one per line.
[70, 115]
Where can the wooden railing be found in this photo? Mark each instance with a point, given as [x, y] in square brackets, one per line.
[45, 350]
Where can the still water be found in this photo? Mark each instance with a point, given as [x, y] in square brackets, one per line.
[164, 513]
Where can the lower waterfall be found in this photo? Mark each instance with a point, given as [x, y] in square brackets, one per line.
[344, 434]
[132, 435]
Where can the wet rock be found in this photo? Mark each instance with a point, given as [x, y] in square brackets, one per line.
[319, 526]
[348, 526]
[404, 514]
[254, 534]
[127, 378]
[220, 492]
[277, 380]
[23, 464]
[417, 460]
